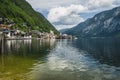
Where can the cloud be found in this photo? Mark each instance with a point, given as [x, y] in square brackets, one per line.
[67, 13]
[48, 4]
[96, 4]
[66, 16]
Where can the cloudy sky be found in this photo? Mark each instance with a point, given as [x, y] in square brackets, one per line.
[68, 13]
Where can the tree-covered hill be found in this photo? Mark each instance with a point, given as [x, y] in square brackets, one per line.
[21, 12]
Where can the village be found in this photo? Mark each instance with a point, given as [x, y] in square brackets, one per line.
[8, 33]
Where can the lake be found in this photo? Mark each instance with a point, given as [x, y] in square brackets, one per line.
[82, 59]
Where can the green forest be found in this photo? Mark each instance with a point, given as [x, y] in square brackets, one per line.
[21, 12]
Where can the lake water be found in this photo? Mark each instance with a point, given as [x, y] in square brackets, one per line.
[82, 59]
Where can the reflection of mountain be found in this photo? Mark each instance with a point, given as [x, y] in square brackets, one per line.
[26, 46]
[17, 44]
[61, 61]
[18, 56]
[104, 24]
[104, 50]
[66, 62]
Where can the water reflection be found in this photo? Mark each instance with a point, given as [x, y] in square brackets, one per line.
[105, 50]
[17, 56]
[66, 62]
[84, 59]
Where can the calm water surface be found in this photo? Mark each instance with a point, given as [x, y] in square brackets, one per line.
[82, 59]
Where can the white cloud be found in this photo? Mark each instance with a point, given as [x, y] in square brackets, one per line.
[48, 4]
[66, 13]
[96, 4]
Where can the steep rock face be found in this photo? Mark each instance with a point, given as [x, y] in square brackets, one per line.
[21, 12]
[104, 24]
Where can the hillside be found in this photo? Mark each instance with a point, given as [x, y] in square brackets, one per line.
[21, 12]
[104, 24]
[63, 30]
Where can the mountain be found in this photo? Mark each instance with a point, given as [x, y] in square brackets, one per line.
[104, 24]
[20, 11]
[64, 30]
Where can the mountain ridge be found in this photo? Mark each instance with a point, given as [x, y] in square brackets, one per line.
[103, 24]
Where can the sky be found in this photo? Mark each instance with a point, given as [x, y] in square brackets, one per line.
[69, 13]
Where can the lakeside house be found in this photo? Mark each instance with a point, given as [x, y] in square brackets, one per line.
[19, 34]
[14, 34]
[65, 36]
[44, 35]
[0, 35]
[5, 29]
[8, 33]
